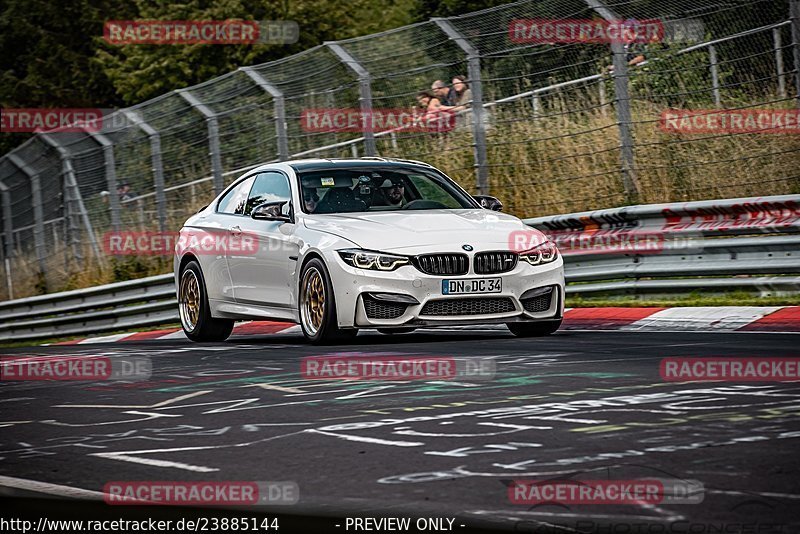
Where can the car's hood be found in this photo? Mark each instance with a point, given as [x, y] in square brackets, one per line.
[445, 230]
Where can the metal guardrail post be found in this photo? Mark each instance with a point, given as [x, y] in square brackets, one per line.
[364, 91]
[280, 110]
[111, 175]
[780, 68]
[38, 214]
[478, 111]
[158, 167]
[794, 15]
[213, 137]
[71, 185]
[8, 222]
[714, 65]
[623, 100]
[8, 236]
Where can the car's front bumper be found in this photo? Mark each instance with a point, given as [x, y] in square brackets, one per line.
[352, 285]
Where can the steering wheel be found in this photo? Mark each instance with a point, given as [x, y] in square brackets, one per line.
[424, 205]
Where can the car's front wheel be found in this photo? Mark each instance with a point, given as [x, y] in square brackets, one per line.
[534, 329]
[195, 313]
[318, 306]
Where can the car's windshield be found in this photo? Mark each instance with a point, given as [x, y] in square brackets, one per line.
[379, 189]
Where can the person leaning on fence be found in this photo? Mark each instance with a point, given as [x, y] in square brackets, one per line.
[433, 112]
[636, 51]
[446, 95]
[463, 95]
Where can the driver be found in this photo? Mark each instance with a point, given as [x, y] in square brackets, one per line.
[394, 192]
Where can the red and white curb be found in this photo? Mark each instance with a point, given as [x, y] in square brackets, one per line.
[688, 319]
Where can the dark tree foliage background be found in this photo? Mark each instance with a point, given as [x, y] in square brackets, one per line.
[52, 53]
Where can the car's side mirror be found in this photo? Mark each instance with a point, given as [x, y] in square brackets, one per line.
[489, 203]
[277, 210]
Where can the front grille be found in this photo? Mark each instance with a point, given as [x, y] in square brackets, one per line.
[468, 306]
[537, 304]
[382, 309]
[442, 264]
[494, 262]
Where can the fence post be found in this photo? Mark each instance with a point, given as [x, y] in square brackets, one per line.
[364, 92]
[111, 175]
[38, 214]
[780, 68]
[601, 90]
[8, 236]
[280, 110]
[714, 64]
[72, 184]
[623, 100]
[8, 222]
[478, 112]
[794, 15]
[158, 166]
[213, 137]
[537, 105]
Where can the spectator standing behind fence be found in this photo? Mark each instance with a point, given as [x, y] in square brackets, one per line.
[446, 95]
[428, 102]
[463, 95]
[635, 49]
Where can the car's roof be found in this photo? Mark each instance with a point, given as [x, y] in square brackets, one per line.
[349, 163]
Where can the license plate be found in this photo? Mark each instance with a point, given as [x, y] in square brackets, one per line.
[476, 285]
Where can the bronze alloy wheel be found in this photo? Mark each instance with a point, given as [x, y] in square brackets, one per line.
[189, 300]
[312, 302]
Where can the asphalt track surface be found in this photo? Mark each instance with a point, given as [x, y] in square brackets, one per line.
[583, 405]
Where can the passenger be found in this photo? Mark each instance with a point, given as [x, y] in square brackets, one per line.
[310, 199]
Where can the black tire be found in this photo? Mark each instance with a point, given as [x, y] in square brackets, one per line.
[203, 327]
[402, 330]
[534, 328]
[318, 319]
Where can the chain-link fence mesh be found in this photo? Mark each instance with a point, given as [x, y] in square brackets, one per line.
[567, 125]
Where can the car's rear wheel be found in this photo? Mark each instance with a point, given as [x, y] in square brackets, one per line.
[318, 306]
[195, 313]
[534, 328]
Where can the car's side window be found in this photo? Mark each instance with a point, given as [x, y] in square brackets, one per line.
[268, 187]
[233, 202]
[430, 190]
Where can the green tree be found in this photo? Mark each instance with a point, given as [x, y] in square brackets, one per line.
[140, 72]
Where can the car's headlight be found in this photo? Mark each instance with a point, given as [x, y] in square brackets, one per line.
[544, 253]
[377, 261]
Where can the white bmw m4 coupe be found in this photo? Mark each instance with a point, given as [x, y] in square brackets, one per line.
[339, 245]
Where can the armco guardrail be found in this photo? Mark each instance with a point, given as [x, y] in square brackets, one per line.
[124, 305]
[669, 248]
[750, 243]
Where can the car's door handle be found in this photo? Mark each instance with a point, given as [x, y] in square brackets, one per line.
[235, 230]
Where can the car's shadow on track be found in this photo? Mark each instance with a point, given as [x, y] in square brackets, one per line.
[373, 338]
